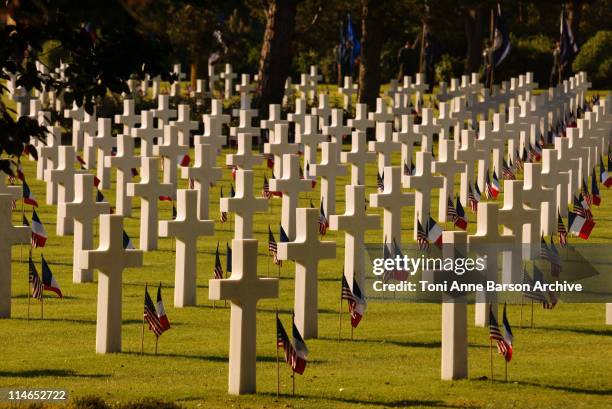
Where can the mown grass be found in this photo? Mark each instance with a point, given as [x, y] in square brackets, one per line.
[393, 361]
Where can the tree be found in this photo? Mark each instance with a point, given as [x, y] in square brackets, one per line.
[276, 52]
[372, 24]
[474, 27]
[101, 57]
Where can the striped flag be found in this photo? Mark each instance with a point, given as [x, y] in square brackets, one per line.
[272, 248]
[434, 232]
[39, 234]
[451, 212]
[296, 352]
[222, 214]
[34, 279]
[489, 192]
[380, 182]
[580, 226]
[585, 194]
[313, 179]
[561, 231]
[28, 196]
[161, 311]
[538, 277]
[49, 281]
[495, 334]
[150, 315]
[518, 161]
[218, 272]
[507, 173]
[508, 336]
[422, 237]
[357, 304]
[265, 190]
[472, 199]
[323, 222]
[605, 173]
[461, 221]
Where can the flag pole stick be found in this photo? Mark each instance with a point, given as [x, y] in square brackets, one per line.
[506, 370]
[491, 356]
[277, 363]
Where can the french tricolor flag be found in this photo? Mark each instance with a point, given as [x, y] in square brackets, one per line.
[580, 226]
[28, 196]
[49, 282]
[434, 232]
[605, 175]
[39, 235]
[161, 311]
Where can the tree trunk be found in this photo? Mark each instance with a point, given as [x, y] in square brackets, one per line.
[193, 78]
[276, 52]
[372, 26]
[473, 19]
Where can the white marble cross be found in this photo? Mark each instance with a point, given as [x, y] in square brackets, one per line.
[47, 159]
[555, 178]
[445, 122]
[244, 289]
[124, 161]
[328, 170]
[361, 121]
[274, 118]
[407, 137]
[488, 242]
[540, 197]
[149, 189]
[244, 204]
[228, 76]
[355, 222]
[348, 90]
[186, 228]
[306, 250]
[336, 129]
[485, 144]
[245, 120]
[359, 156]
[424, 182]
[77, 114]
[245, 87]
[175, 87]
[291, 184]
[147, 133]
[446, 165]
[14, 191]
[428, 129]
[129, 119]
[314, 78]
[110, 259]
[419, 88]
[454, 349]
[203, 174]
[392, 200]
[213, 127]
[84, 210]
[309, 136]
[102, 145]
[568, 162]
[184, 124]
[63, 176]
[300, 114]
[280, 146]
[212, 79]
[306, 86]
[87, 127]
[384, 145]
[9, 236]
[244, 156]
[467, 154]
[383, 112]
[163, 113]
[323, 111]
[171, 152]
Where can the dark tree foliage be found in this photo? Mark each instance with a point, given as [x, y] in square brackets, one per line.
[103, 43]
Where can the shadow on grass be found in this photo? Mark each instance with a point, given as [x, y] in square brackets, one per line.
[414, 344]
[55, 373]
[25, 297]
[388, 404]
[585, 331]
[210, 358]
[570, 389]
[35, 317]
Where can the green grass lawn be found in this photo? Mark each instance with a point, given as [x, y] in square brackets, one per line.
[393, 361]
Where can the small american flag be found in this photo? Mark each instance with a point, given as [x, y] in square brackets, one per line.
[507, 173]
[222, 214]
[218, 272]
[496, 335]
[422, 239]
[451, 212]
[150, 315]
[472, 201]
[380, 179]
[265, 190]
[518, 162]
[356, 302]
[561, 231]
[272, 248]
[35, 281]
[323, 222]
